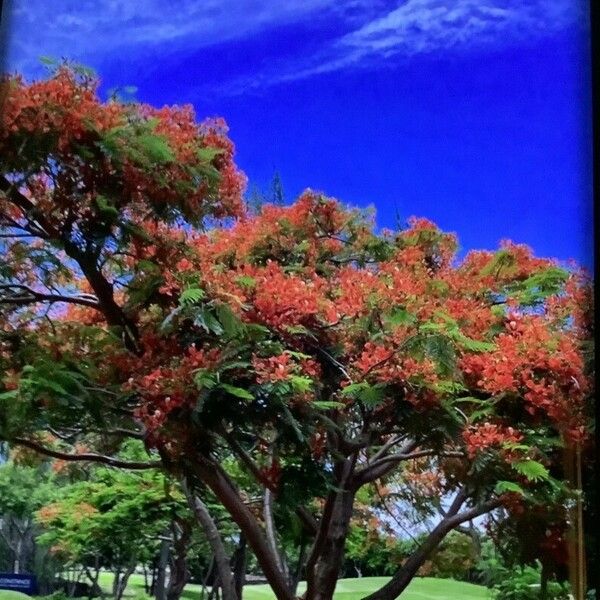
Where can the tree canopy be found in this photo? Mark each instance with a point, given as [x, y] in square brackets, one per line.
[319, 354]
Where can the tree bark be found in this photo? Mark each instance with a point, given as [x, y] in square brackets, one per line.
[408, 570]
[207, 577]
[179, 569]
[115, 585]
[323, 573]
[270, 529]
[544, 582]
[214, 540]
[217, 480]
[161, 571]
[239, 561]
[17, 561]
[295, 578]
[95, 589]
[122, 585]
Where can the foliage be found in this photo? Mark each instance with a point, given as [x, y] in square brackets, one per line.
[454, 558]
[301, 345]
[524, 584]
[23, 490]
[371, 552]
[97, 522]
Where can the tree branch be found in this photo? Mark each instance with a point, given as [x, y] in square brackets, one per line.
[215, 541]
[408, 570]
[247, 460]
[386, 464]
[213, 475]
[270, 528]
[86, 456]
[390, 444]
[33, 297]
[87, 262]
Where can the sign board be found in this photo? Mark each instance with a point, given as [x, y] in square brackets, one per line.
[26, 584]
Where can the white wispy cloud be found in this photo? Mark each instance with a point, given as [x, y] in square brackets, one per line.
[88, 28]
[372, 32]
[429, 26]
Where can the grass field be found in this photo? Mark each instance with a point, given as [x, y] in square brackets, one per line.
[421, 588]
[10, 595]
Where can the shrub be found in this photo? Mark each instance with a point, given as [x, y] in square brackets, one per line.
[524, 584]
[455, 558]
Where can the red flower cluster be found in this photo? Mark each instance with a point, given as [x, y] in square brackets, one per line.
[489, 435]
[273, 369]
[282, 366]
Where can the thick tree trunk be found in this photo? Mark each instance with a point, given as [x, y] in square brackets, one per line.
[122, 585]
[324, 571]
[239, 566]
[217, 480]
[215, 542]
[161, 570]
[178, 580]
[179, 570]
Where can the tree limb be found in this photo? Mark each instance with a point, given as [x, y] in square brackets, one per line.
[30, 296]
[86, 456]
[408, 570]
[386, 464]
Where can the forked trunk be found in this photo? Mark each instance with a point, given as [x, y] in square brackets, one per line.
[217, 480]
[179, 568]
[215, 542]
[161, 571]
[324, 570]
[122, 585]
[239, 561]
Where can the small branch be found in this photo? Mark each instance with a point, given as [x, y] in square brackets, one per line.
[389, 444]
[309, 522]
[120, 432]
[33, 297]
[246, 459]
[86, 457]
[386, 464]
[338, 365]
[270, 528]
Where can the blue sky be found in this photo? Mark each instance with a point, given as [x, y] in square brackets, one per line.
[473, 113]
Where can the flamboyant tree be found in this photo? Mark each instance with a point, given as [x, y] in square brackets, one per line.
[320, 355]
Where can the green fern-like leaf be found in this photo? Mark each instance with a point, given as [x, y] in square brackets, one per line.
[502, 487]
[532, 470]
[191, 296]
[238, 392]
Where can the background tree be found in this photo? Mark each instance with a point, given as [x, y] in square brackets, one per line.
[23, 490]
[320, 355]
[115, 520]
[274, 194]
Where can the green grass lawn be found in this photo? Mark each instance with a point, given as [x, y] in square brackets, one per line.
[10, 595]
[421, 588]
